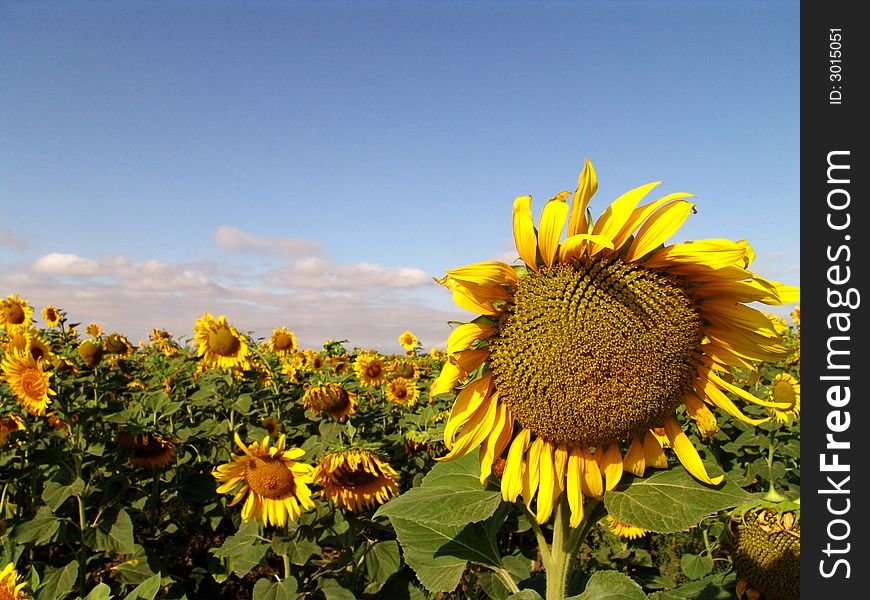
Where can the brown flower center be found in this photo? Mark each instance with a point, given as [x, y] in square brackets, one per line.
[13, 314]
[223, 342]
[283, 342]
[33, 383]
[350, 479]
[270, 478]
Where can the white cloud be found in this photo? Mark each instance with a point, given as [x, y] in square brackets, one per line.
[235, 240]
[66, 264]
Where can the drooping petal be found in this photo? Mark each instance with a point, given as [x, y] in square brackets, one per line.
[610, 462]
[702, 416]
[687, 454]
[475, 430]
[532, 474]
[463, 336]
[634, 462]
[653, 454]
[467, 402]
[447, 380]
[592, 483]
[498, 439]
[512, 478]
[586, 188]
[547, 483]
[659, 227]
[485, 273]
[573, 486]
[552, 222]
[524, 232]
[575, 245]
[469, 360]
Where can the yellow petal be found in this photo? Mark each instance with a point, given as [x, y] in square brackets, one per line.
[524, 231]
[592, 483]
[641, 213]
[447, 380]
[485, 273]
[687, 454]
[634, 462]
[610, 462]
[463, 336]
[474, 305]
[512, 478]
[729, 314]
[717, 398]
[712, 253]
[575, 245]
[497, 441]
[546, 484]
[615, 216]
[574, 476]
[658, 228]
[469, 360]
[532, 474]
[702, 416]
[587, 185]
[478, 427]
[653, 454]
[560, 461]
[550, 230]
[467, 402]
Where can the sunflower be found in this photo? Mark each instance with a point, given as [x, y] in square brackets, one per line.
[94, 330]
[785, 393]
[51, 316]
[117, 344]
[282, 342]
[220, 345]
[14, 312]
[595, 341]
[10, 589]
[403, 392]
[149, 450]
[766, 552]
[404, 368]
[330, 398]
[624, 530]
[10, 423]
[313, 360]
[91, 352]
[339, 364]
[276, 484]
[28, 381]
[356, 479]
[408, 341]
[370, 369]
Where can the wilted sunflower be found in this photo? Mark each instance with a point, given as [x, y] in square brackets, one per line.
[408, 341]
[148, 450]
[402, 391]
[404, 368]
[330, 398]
[220, 345]
[10, 589]
[117, 344]
[91, 352]
[51, 316]
[766, 552]
[28, 381]
[356, 479]
[624, 530]
[14, 312]
[282, 342]
[370, 368]
[276, 484]
[597, 340]
[785, 392]
[10, 423]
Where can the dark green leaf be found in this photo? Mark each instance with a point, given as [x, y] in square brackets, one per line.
[696, 567]
[136, 566]
[100, 592]
[281, 590]
[147, 590]
[40, 529]
[333, 590]
[57, 583]
[381, 561]
[114, 533]
[525, 595]
[611, 585]
[55, 493]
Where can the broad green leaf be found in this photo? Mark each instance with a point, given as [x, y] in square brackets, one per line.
[136, 566]
[611, 585]
[40, 529]
[670, 501]
[712, 587]
[696, 567]
[381, 561]
[100, 592]
[463, 473]
[147, 590]
[55, 494]
[298, 549]
[246, 535]
[517, 566]
[333, 590]
[280, 590]
[401, 588]
[114, 533]
[525, 595]
[58, 583]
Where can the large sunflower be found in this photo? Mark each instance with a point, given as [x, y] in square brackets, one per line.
[220, 344]
[276, 484]
[356, 479]
[597, 340]
[14, 312]
[28, 381]
[10, 589]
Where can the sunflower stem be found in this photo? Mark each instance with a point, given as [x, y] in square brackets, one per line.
[566, 541]
[543, 547]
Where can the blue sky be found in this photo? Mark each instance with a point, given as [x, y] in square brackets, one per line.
[313, 165]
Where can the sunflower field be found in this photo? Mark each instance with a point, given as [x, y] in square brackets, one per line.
[613, 421]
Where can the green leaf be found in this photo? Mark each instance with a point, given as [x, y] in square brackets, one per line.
[525, 595]
[281, 590]
[610, 585]
[712, 587]
[298, 549]
[136, 567]
[670, 501]
[463, 473]
[381, 561]
[58, 583]
[244, 550]
[696, 567]
[333, 590]
[518, 566]
[114, 533]
[40, 529]
[100, 592]
[147, 590]
[55, 494]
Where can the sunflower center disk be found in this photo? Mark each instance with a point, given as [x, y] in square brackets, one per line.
[223, 342]
[351, 479]
[596, 351]
[283, 342]
[14, 314]
[269, 478]
[33, 384]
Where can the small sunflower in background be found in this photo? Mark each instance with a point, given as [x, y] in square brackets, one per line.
[282, 342]
[27, 340]
[220, 345]
[370, 368]
[402, 391]
[796, 316]
[273, 483]
[400, 367]
[408, 341]
[15, 312]
[9, 424]
[779, 324]
[785, 393]
[579, 354]
[91, 352]
[27, 380]
[94, 330]
[625, 531]
[147, 450]
[356, 479]
[51, 315]
[118, 345]
[10, 589]
[330, 398]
